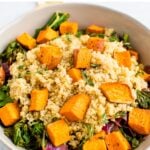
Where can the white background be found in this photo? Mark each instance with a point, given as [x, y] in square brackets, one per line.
[9, 11]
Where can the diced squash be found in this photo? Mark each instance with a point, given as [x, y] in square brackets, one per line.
[145, 76]
[68, 27]
[46, 35]
[82, 58]
[2, 76]
[116, 141]
[75, 108]
[134, 53]
[9, 114]
[26, 40]
[75, 74]
[50, 56]
[95, 43]
[39, 99]
[95, 144]
[58, 132]
[117, 92]
[100, 135]
[123, 58]
[95, 29]
[139, 120]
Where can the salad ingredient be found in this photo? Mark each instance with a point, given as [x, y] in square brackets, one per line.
[95, 29]
[9, 114]
[95, 43]
[123, 58]
[134, 53]
[95, 144]
[46, 35]
[50, 56]
[117, 92]
[126, 43]
[82, 58]
[87, 79]
[4, 96]
[100, 135]
[26, 40]
[75, 74]
[54, 22]
[68, 27]
[2, 76]
[39, 99]
[75, 108]
[58, 132]
[115, 140]
[143, 99]
[51, 147]
[139, 120]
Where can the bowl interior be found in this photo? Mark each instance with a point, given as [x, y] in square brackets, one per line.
[85, 15]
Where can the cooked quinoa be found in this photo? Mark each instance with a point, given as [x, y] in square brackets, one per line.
[28, 74]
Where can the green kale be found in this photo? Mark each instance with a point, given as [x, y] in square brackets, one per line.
[114, 37]
[54, 22]
[80, 32]
[126, 42]
[143, 99]
[87, 78]
[4, 96]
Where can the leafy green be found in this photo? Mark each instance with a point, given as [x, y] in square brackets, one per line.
[126, 42]
[4, 96]
[87, 78]
[10, 53]
[101, 35]
[114, 37]
[95, 65]
[104, 119]
[54, 22]
[120, 114]
[30, 137]
[143, 99]
[80, 32]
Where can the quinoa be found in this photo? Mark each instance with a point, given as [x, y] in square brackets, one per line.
[28, 73]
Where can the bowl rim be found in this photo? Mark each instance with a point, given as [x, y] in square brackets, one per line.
[34, 10]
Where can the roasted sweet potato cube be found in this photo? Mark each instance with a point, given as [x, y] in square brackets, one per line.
[75, 74]
[58, 132]
[82, 58]
[26, 40]
[116, 141]
[123, 58]
[139, 120]
[95, 144]
[95, 43]
[68, 27]
[145, 76]
[134, 53]
[75, 108]
[2, 76]
[50, 56]
[39, 99]
[100, 135]
[46, 35]
[117, 92]
[9, 114]
[95, 29]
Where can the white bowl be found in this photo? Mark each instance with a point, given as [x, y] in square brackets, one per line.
[85, 15]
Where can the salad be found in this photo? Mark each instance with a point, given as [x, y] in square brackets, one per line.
[68, 88]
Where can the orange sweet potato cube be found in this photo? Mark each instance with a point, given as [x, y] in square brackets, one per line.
[100, 135]
[139, 120]
[9, 114]
[39, 99]
[82, 58]
[50, 56]
[26, 40]
[123, 58]
[46, 35]
[145, 76]
[95, 43]
[68, 27]
[117, 92]
[58, 132]
[95, 29]
[95, 144]
[75, 108]
[116, 141]
[75, 74]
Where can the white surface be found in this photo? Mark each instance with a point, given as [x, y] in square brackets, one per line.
[138, 10]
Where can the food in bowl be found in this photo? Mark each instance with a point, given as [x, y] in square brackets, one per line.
[67, 88]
